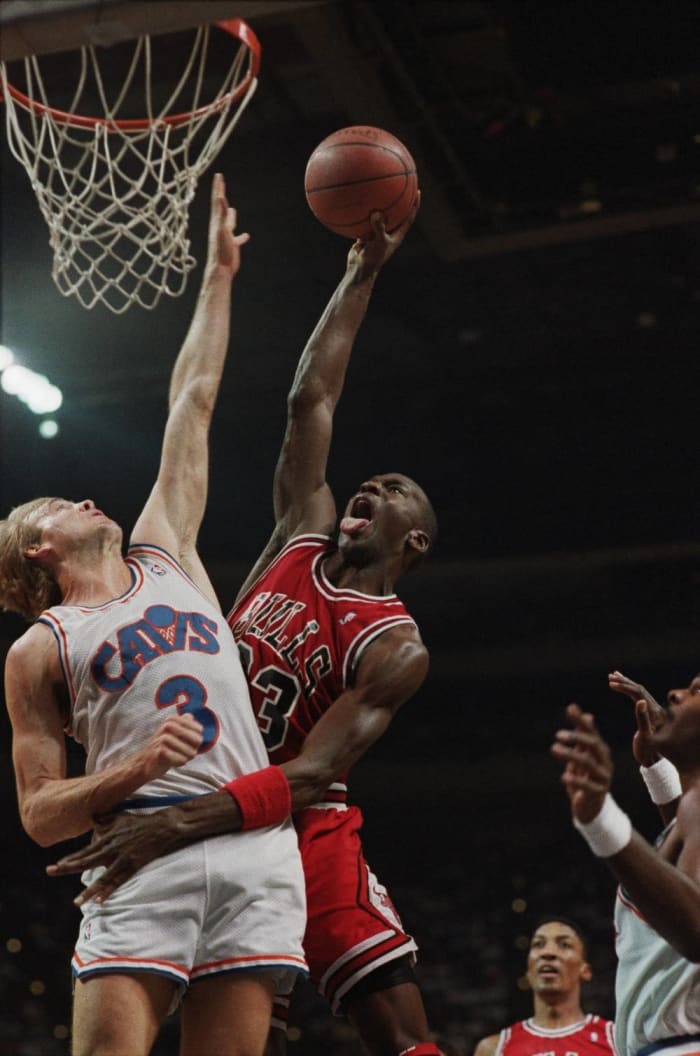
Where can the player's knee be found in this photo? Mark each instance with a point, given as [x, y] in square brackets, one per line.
[385, 977]
[276, 1042]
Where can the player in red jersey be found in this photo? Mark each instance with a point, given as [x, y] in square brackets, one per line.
[557, 966]
[331, 655]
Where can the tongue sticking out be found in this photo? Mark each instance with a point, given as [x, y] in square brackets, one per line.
[353, 525]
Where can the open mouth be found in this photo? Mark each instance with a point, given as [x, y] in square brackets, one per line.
[359, 517]
[362, 508]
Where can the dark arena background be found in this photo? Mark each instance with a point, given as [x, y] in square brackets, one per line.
[530, 356]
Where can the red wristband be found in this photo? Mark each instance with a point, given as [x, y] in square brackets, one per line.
[264, 797]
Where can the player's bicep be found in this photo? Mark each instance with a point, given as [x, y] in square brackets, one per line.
[392, 669]
[35, 711]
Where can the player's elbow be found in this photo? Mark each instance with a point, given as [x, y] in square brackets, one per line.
[308, 393]
[37, 829]
[199, 395]
[39, 826]
[309, 784]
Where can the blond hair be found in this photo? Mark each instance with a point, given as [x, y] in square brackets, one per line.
[24, 586]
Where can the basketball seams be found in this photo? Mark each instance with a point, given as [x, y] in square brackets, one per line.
[363, 179]
[339, 226]
[351, 175]
[322, 158]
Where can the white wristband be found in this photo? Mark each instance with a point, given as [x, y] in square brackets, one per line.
[662, 780]
[610, 830]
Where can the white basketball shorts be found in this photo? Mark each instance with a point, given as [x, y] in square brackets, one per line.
[232, 903]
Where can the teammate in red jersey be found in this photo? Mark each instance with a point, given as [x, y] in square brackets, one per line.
[331, 655]
[557, 966]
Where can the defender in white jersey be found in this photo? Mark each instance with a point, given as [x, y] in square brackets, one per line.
[657, 913]
[135, 651]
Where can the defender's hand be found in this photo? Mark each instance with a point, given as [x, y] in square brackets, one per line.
[176, 742]
[224, 244]
[648, 713]
[588, 764]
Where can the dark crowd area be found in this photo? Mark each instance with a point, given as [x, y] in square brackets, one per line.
[473, 849]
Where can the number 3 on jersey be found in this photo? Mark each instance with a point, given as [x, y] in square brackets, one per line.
[187, 694]
[280, 692]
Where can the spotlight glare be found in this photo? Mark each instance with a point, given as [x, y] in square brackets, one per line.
[35, 390]
[48, 428]
[6, 357]
[14, 378]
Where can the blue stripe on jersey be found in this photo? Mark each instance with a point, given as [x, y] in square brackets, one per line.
[151, 801]
[667, 1043]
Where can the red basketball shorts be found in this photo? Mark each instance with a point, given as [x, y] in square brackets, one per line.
[352, 927]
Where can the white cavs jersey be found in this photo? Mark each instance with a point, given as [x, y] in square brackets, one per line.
[657, 992]
[161, 648]
[232, 903]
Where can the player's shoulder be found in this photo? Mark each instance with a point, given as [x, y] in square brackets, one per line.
[401, 649]
[30, 644]
[488, 1045]
[599, 1031]
[32, 659]
[407, 637]
[688, 812]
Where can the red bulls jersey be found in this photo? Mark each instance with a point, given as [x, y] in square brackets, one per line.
[301, 639]
[591, 1037]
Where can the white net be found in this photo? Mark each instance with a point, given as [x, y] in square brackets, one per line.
[115, 191]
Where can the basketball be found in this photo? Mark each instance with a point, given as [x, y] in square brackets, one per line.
[355, 172]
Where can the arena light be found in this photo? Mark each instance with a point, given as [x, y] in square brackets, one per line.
[34, 390]
[48, 428]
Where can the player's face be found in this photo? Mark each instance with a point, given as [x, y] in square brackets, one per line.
[681, 731]
[556, 963]
[382, 513]
[66, 525]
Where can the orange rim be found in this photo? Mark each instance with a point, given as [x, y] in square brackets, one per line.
[235, 27]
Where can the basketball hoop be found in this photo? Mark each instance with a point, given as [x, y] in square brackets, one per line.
[115, 191]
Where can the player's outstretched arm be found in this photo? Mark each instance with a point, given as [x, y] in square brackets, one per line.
[52, 806]
[660, 776]
[175, 508]
[302, 499]
[665, 887]
[391, 671]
